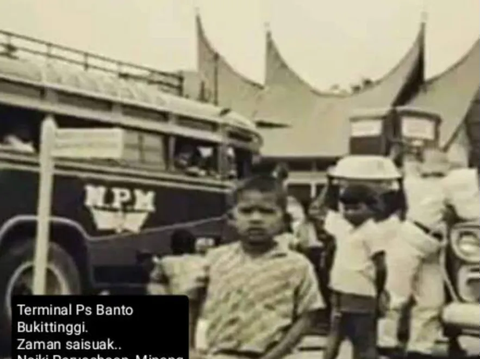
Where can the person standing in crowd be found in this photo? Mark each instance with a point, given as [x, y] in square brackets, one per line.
[393, 205]
[174, 271]
[203, 245]
[315, 243]
[415, 259]
[293, 216]
[308, 232]
[260, 298]
[358, 275]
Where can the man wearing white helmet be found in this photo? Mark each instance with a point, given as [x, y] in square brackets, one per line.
[415, 258]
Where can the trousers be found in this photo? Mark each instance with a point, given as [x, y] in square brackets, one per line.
[353, 317]
[414, 272]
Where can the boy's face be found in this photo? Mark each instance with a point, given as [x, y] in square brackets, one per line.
[257, 217]
[356, 213]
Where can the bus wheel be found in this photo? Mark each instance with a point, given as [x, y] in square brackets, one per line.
[16, 278]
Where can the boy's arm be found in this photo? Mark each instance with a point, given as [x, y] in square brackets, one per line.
[195, 303]
[292, 336]
[380, 272]
[308, 302]
[376, 246]
[196, 293]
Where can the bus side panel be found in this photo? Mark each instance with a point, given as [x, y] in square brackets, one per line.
[121, 217]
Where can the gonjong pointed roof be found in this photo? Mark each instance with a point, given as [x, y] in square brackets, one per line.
[287, 99]
[222, 83]
[451, 93]
[318, 122]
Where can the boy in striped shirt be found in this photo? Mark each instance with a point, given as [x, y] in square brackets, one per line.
[260, 298]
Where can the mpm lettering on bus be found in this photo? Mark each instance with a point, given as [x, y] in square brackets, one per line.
[119, 209]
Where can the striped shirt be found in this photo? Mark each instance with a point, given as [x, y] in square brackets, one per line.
[251, 302]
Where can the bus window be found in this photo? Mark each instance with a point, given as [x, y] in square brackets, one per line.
[147, 149]
[132, 147]
[19, 129]
[19, 138]
[240, 163]
[196, 158]
[153, 150]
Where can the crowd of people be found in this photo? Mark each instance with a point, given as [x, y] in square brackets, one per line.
[361, 261]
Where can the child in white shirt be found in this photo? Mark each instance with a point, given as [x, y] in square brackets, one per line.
[358, 275]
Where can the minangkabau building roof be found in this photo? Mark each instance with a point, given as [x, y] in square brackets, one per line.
[315, 123]
[451, 93]
[222, 84]
[319, 121]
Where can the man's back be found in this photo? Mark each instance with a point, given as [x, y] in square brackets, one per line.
[463, 192]
[425, 200]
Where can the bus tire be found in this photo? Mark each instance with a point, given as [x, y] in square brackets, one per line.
[17, 260]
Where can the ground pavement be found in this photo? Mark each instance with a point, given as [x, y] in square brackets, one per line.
[311, 348]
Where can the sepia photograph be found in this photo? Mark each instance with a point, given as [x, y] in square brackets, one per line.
[306, 172]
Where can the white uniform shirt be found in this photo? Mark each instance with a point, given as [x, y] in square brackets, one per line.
[353, 269]
[463, 192]
[389, 229]
[426, 200]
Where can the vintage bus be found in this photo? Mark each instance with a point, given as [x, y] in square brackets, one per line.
[181, 158]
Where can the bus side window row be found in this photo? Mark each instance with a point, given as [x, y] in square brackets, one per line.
[199, 159]
[190, 157]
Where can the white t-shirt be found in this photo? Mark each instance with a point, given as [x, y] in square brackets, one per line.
[353, 269]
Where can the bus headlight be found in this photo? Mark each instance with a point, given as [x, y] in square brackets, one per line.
[467, 247]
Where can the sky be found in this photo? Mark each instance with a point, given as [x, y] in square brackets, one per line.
[326, 42]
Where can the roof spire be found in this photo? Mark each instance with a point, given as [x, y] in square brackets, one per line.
[196, 8]
[266, 26]
[424, 12]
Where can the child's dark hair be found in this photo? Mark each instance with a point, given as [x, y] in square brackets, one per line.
[182, 242]
[360, 193]
[263, 183]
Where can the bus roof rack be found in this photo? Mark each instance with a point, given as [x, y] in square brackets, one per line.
[17, 46]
